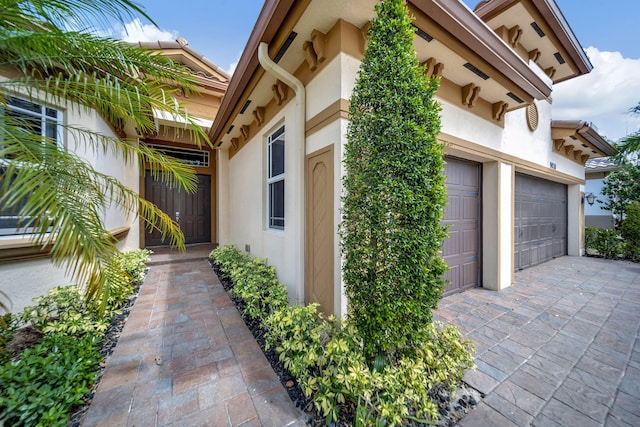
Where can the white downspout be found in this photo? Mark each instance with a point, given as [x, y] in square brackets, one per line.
[299, 146]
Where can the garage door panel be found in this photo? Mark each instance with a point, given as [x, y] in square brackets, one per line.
[470, 242]
[451, 245]
[462, 216]
[540, 221]
[470, 208]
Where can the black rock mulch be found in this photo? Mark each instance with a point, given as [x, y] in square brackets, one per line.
[451, 406]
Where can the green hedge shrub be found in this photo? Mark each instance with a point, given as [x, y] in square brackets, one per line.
[255, 282]
[603, 242]
[631, 231]
[326, 356]
[394, 192]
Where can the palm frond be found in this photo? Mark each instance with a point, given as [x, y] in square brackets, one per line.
[61, 13]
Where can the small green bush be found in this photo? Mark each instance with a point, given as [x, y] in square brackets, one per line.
[40, 387]
[122, 273]
[227, 258]
[326, 355]
[255, 282]
[631, 231]
[64, 310]
[134, 263]
[603, 242]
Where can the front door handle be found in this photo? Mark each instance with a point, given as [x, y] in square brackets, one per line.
[178, 217]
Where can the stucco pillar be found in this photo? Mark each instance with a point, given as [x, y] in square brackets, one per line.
[222, 195]
[574, 220]
[497, 225]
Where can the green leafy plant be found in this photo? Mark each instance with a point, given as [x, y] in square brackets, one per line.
[394, 192]
[326, 357]
[631, 231]
[64, 310]
[621, 187]
[255, 282]
[40, 387]
[603, 242]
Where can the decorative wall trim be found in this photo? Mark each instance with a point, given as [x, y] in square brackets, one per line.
[22, 248]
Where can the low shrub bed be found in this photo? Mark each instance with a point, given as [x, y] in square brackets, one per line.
[610, 244]
[50, 353]
[325, 354]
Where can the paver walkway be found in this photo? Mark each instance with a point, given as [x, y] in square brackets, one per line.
[186, 358]
[560, 348]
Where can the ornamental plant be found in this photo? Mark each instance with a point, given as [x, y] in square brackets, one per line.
[631, 231]
[394, 192]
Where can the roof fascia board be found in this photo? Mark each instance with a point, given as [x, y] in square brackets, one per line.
[465, 25]
[269, 20]
[554, 18]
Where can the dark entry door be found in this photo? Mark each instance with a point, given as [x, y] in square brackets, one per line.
[191, 211]
[461, 250]
[540, 232]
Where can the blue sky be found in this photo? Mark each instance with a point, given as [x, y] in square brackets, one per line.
[219, 29]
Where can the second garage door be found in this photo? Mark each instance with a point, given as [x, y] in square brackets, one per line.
[540, 220]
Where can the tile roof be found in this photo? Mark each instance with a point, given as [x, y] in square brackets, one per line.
[601, 163]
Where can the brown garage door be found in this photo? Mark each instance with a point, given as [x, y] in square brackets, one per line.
[461, 250]
[540, 221]
[191, 211]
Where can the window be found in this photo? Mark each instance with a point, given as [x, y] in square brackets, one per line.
[36, 118]
[40, 120]
[275, 179]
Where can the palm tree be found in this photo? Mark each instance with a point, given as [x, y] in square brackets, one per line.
[629, 147]
[58, 194]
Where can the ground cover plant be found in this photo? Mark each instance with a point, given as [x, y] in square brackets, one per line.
[325, 355]
[50, 353]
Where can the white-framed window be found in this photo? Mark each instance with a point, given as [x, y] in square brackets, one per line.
[275, 179]
[37, 118]
[41, 120]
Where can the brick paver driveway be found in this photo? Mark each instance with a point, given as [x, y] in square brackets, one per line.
[559, 348]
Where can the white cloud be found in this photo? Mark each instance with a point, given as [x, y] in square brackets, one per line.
[136, 31]
[234, 65]
[604, 96]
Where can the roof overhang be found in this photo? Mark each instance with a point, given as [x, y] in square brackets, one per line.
[579, 139]
[539, 31]
[459, 37]
[209, 75]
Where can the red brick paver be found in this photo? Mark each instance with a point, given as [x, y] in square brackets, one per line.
[185, 358]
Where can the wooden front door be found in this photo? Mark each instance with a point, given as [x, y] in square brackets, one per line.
[320, 232]
[191, 211]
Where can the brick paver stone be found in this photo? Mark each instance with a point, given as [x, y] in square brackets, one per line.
[558, 348]
[185, 357]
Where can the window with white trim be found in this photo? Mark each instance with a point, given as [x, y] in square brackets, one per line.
[38, 119]
[275, 179]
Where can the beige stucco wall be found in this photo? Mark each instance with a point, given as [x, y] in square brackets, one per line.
[24, 280]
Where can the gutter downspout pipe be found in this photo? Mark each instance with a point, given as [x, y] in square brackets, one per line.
[299, 146]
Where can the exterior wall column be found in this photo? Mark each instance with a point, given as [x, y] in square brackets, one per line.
[222, 194]
[575, 224]
[497, 225]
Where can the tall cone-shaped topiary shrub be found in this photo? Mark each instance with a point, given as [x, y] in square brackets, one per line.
[394, 192]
